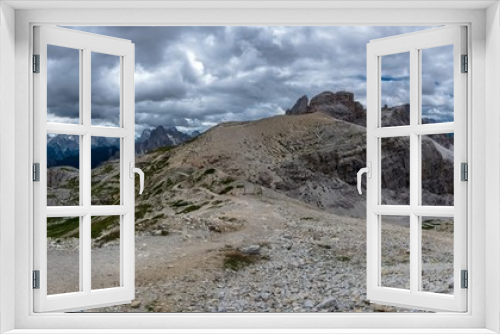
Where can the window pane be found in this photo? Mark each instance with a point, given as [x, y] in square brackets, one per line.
[437, 254]
[437, 84]
[63, 85]
[63, 175]
[105, 92]
[395, 89]
[105, 155]
[395, 251]
[105, 257]
[63, 255]
[437, 169]
[395, 170]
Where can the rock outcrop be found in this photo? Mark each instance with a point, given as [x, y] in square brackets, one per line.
[340, 105]
[300, 107]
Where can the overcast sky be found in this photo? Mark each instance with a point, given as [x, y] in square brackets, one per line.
[196, 77]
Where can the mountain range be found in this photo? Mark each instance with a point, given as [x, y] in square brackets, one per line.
[63, 150]
[312, 153]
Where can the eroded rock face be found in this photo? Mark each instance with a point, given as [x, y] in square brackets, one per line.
[300, 107]
[340, 105]
[396, 116]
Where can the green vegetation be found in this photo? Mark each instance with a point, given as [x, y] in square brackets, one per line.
[229, 219]
[60, 227]
[111, 236]
[190, 140]
[236, 260]
[343, 258]
[73, 183]
[141, 210]
[226, 190]
[227, 180]
[162, 186]
[190, 208]
[101, 224]
[169, 183]
[209, 171]
[108, 168]
[180, 203]
[159, 216]
[163, 149]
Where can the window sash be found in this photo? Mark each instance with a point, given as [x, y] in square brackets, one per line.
[414, 297]
[86, 298]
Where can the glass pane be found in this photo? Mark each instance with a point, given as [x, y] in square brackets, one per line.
[395, 89]
[437, 169]
[105, 257]
[63, 85]
[63, 176]
[437, 254]
[63, 255]
[395, 170]
[105, 92]
[395, 251]
[437, 84]
[105, 156]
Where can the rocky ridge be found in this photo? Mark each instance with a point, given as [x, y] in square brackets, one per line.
[254, 217]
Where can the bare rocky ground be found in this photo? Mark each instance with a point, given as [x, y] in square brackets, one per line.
[263, 253]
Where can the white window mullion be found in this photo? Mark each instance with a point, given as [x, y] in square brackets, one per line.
[54, 126]
[127, 121]
[85, 246]
[414, 170]
[373, 189]
[392, 131]
[86, 172]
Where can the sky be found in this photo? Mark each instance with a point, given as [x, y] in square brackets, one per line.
[196, 77]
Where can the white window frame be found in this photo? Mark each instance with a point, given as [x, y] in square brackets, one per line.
[16, 211]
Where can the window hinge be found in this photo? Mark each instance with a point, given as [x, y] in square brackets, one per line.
[36, 63]
[36, 172]
[465, 64]
[464, 171]
[464, 279]
[36, 279]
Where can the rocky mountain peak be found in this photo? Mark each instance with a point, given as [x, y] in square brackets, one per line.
[300, 107]
[160, 137]
[340, 105]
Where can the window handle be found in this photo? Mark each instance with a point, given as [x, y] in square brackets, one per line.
[141, 176]
[368, 171]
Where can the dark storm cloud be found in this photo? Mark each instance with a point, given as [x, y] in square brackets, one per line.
[63, 84]
[195, 77]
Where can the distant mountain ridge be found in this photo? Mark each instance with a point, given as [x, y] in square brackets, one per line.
[63, 150]
[160, 137]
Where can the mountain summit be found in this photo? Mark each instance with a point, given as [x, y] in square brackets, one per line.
[340, 105]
